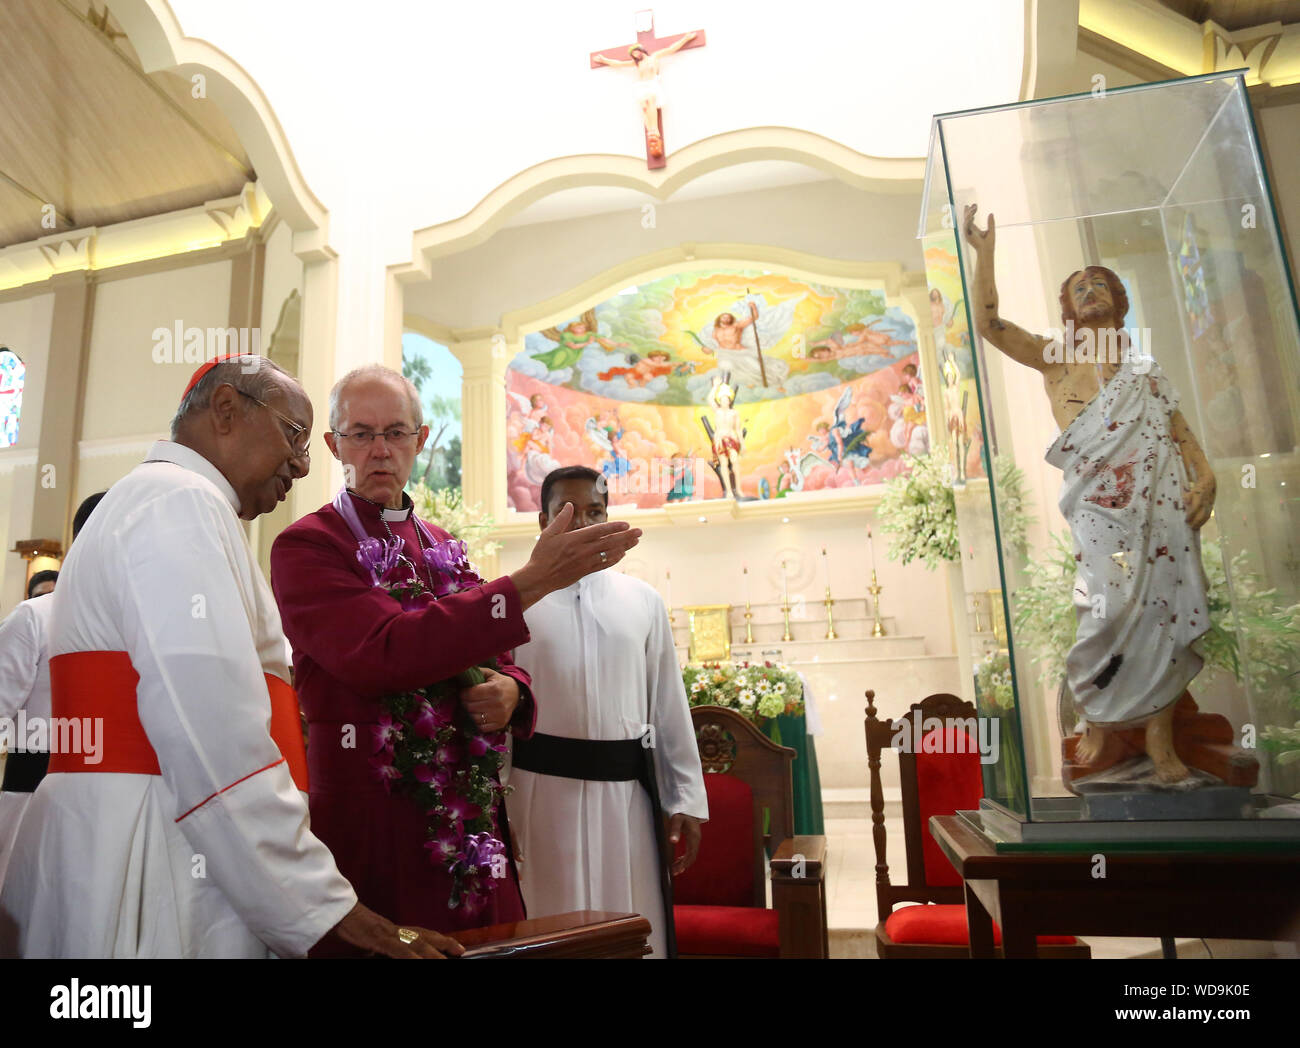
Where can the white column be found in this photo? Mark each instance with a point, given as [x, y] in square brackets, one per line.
[484, 355]
[316, 372]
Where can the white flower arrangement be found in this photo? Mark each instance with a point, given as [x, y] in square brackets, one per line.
[918, 506]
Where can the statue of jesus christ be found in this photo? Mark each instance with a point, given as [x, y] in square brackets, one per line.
[1136, 490]
[649, 88]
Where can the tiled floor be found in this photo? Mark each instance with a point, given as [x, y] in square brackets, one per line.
[851, 884]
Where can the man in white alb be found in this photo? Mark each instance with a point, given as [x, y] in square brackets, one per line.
[186, 834]
[25, 688]
[613, 747]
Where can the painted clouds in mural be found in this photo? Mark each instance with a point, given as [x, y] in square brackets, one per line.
[827, 385]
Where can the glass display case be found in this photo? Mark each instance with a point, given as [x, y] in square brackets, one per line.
[1125, 326]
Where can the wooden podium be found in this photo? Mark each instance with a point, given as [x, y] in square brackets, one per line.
[583, 934]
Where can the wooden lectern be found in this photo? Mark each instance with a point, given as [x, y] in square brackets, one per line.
[583, 934]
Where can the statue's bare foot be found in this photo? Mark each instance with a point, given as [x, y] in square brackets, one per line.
[1170, 769]
[1088, 749]
[1160, 747]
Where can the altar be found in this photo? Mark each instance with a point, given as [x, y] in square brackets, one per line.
[833, 672]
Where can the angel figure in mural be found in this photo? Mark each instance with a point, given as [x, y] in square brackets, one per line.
[845, 443]
[867, 340]
[573, 339]
[649, 88]
[726, 436]
[525, 412]
[641, 370]
[605, 434]
[681, 477]
[725, 341]
[908, 431]
[535, 448]
[602, 429]
[792, 473]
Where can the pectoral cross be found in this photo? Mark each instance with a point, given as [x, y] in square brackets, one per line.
[644, 55]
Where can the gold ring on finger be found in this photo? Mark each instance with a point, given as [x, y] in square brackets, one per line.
[407, 935]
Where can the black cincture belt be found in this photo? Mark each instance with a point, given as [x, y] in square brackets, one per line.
[606, 760]
[24, 772]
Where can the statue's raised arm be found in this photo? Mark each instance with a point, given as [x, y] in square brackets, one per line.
[1014, 341]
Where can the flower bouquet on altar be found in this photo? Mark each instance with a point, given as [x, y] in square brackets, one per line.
[428, 748]
[756, 692]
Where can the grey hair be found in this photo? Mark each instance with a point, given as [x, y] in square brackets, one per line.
[373, 371]
[251, 374]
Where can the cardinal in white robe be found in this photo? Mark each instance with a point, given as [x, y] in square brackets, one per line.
[613, 747]
[174, 826]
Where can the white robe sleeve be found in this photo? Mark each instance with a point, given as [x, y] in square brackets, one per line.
[676, 753]
[203, 703]
[20, 658]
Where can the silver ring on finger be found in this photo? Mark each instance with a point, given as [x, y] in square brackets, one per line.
[604, 557]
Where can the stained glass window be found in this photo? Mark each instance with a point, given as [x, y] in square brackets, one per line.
[12, 376]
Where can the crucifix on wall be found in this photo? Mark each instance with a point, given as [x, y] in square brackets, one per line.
[644, 55]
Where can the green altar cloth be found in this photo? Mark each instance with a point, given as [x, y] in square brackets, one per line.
[792, 731]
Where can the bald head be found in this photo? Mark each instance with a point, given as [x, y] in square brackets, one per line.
[376, 431]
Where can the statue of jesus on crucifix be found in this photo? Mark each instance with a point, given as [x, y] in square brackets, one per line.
[649, 88]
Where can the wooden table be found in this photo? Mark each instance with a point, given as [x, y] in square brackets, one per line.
[1188, 894]
[584, 933]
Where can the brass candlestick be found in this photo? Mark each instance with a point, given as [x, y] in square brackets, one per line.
[997, 621]
[749, 626]
[878, 630]
[785, 612]
[830, 623]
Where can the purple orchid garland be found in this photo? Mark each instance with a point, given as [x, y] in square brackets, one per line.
[451, 772]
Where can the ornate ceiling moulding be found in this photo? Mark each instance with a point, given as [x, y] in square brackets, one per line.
[1147, 38]
[97, 249]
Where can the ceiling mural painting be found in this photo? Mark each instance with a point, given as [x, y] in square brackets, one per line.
[825, 378]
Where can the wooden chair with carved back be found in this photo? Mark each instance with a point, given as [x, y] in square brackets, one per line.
[936, 777]
[721, 901]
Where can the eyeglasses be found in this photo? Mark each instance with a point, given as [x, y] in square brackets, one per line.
[301, 439]
[363, 438]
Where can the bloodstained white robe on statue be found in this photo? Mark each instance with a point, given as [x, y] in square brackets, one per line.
[213, 857]
[25, 686]
[603, 667]
[1140, 596]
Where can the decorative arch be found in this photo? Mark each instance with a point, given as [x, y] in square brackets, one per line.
[875, 174]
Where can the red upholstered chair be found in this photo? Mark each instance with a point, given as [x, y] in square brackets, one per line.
[720, 902]
[935, 783]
